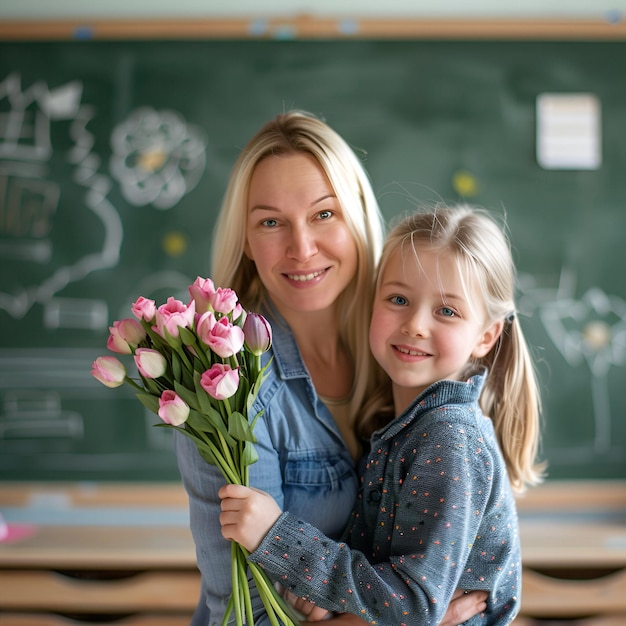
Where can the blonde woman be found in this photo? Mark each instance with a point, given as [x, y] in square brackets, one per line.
[298, 238]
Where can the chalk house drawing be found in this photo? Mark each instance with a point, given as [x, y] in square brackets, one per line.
[157, 157]
[591, 329]
[31, 201]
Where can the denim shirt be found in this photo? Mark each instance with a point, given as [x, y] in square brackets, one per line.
[303, 463]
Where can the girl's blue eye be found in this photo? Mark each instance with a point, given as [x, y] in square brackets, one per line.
[447, 312]
[324, 215]
[400, 300]
[269, 223]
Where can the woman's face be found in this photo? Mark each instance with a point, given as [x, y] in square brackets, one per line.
[296, 235]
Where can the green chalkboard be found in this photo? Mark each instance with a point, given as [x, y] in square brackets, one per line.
[113, 162]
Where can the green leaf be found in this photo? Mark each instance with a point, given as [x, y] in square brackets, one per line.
[187, 336]
[177, 368]
[239, 428]
[174, 342]
[199, 421]
[187, 395]
[204, 400]
[152, 386]
[149, 401]
[249, 455]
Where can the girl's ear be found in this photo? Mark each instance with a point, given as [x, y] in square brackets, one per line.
[488, 339]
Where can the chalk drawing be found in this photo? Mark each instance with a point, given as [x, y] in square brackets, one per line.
[587, 329]
[157, 157]
[31, 201]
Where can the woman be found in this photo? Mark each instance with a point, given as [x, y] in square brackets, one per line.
[298, 239]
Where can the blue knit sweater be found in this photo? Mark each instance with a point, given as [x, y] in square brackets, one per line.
[434, 513]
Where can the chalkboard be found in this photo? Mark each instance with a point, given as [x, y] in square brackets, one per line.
[114, 157]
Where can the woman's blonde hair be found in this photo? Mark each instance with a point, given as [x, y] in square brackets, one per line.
[301, 132]
[510, 396]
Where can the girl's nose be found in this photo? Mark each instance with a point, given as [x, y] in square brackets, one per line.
[302, 245]
[415, 324]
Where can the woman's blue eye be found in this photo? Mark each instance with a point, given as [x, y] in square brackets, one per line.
[398, 300]
[269, 223]
[324, 215]
[447, 312]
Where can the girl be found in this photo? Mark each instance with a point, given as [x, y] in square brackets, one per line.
[298, 238]
[435, 510]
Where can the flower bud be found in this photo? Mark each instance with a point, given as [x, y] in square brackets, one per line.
[150, 363]
[258, 334]
[224, 300]
[220, 382]
[171, 315]
[109, 370]
[172, 408]
[144, 309]
[125, 335]
[201, 293]
[225, 339]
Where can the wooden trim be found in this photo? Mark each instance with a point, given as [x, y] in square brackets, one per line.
[149, 591]
[574, 495]
[308, 27]
[549, 597]
[131, 494]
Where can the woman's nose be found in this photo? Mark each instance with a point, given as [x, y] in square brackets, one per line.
[303, 244]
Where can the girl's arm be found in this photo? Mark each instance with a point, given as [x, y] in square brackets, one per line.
[249, 514]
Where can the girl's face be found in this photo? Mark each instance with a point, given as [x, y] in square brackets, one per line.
[296, 235]
[423, 327]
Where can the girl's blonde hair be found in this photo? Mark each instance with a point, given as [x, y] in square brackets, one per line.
[510, 396]
[298, 132]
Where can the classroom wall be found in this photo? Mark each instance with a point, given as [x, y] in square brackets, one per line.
[44, 9]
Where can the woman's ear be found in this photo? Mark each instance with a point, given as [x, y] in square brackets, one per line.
[246, 250]
[488, 339]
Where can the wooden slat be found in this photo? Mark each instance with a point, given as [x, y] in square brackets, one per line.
[544, 596]
[130, 494]
[42, 619]
[91, 547]
[308, 27]
[158, 592]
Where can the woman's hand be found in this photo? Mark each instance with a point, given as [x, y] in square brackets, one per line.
[463, 606]
[247, 515]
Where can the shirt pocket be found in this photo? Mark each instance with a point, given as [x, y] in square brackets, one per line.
[321, 490]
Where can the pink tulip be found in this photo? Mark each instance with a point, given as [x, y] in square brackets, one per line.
[225, 339]
[125, 335]
[172, 314]
[220, 382]
[204, 324]
[109, 370]
[258, 334]
[172, 408]
[224, 300]
[150, 363]
[144, 309]
[237, 312]
[201, 293]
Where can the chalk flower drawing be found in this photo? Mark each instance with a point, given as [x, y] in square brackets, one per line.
[157, 157]
[592, 329]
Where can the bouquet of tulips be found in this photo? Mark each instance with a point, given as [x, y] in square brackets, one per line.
[199, 369]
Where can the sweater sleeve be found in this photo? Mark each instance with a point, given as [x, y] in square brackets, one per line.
[427, 545]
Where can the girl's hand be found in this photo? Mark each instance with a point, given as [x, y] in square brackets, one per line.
[309, 610]
[247, 515]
